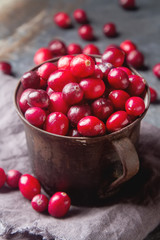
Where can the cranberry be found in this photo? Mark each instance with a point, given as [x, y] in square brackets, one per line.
[117, 121]
[59, 204]
[77, 112]
[111, 46]
[62, 20]
[153, 94]
[92, 87]
[114, 56]
[127, 46]
[46, 69]
[23, 101]
[91, 49]
[118, 79]
[38, 98]
[57, 123]
[13, 177]
[35, 116]
[42, 55]
[82, 66]
[72, 93]
[135, 58]
[57, 47]
[80, 16]
[49, 91]
[135, 106]
[136, 85]
[127, 4]
[98, 72]
[102, 108]
[74, 48]
[156, 70]
[86, 32]
[74, 133]
[30, 80]
[57, 103]
[109, 30]
[64, 62]
[2, 177]
[59, 79]
[5, 68]
[91, 126]
[105, 68]
[43, 84]
[119, 98]
[40, 202]
[125, 69]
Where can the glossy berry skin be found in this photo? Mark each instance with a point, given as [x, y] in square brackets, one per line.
[135, 106]
[13, 177]
[5, 68]
[92, 87]
[74, 133]
[135, 58]
[117, 121]
[57, 47]
[59, 79]
[57, 103]
[118, 79]
[30, 80]
[62, 20]
[23, 101]
[80, 16]
[105, 68]
[156, 70]
[126, 70]
[39, 202]
[114, 56]
[64, 62]
[86, 32]
[43, 84]
[74, 48]
[35, 116]
[127, 4]
[38, 98]
[42, 55]
[127, 46]
[102, 108]
[59, 204]
[49, 91]
[91, 49]
[2, 177]
[136, 85]
[57, 123]
[111, 46]
[82, 66]
[91, 126]
[72, 93]
[98, 72]
[77, 112]
[109, 30]
[29, 186]
[45, 70]
[153, 94]
[118, 99]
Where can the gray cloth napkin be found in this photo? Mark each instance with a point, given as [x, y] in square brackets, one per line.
[130, 215]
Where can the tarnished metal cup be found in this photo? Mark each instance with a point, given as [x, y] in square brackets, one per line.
[87, 168]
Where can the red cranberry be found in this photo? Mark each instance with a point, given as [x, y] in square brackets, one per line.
[127, 4]
[117, 121]
[98, 72]
[109, 30]
[59, 79]
[80, 16]
[49, 91]
[92, 87]
[135, 106]
[57, 103]
[77, 112]
[62, 20]
[105, 68]
[86, 32]
[72, 93]
[13, 177]
[42, 55]
[156, 70]
[119, 98]
[74, 133]
[126, 70]
[23, 101]
[59, 204]
[30, 80]
[2, 177]
[46, 69]
[64, 62]
[118, 79]
[57, 123]
[5, 68]
[74, 48]
[82, 66]
[35, 116]
[40, 202]
[135, 59]
[114, 56]
[127, 46]
[43, 84]
[102, 108]
[136, 85]
[111, 46]
[91, 49]
[153, 94]
[91, 126]
[38, 98]
[57, 47]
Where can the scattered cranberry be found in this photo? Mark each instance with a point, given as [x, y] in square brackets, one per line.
[135, 59]
[40, 202]
[57, 47]
[125, 69]
[35, 116]
[77, 112]
[153, 94]
[72, 93]
[91, 49]
[118, 79]
[105, 68]
[118, 99]
[86, 32]
[127, 46]
[74, 133]
[23, 101]
[74, 48]
[117, 121]
[109, 30]
[29, 186]
[114, 56]
[59, 204]
[102, 108]
[156, 70]
[2, 177]
[5, 68]
[64, 62]
[57, 103]
[135, 106]
[127, 4]
[91, 126]
[62, 20]
[38, 98]
[46, 69]
[42, 55]
[136, 85]
[30, 80]
[13, 177]
[80, 16]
